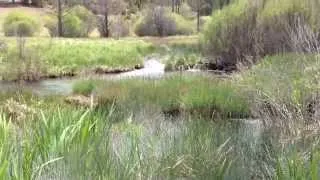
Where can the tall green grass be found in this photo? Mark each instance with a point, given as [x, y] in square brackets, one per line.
[63, 142]
[284, 90]
[66, 143]
[199, 94]
[69, 56]
[299, 166]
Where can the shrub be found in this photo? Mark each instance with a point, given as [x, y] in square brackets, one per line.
[245, 30]
[145, 27]
[184, 27]
[280, 23]
[186, 11]
[118, 26]
[51, 23]
[72, 26]
[87, 19]
[230, 34]
[160, 22]
[20, 24]
[203, 21]
[78, 22]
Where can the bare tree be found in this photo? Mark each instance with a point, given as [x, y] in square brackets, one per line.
[59, 15]
[105, 8]
[197, 5]
[62, 6]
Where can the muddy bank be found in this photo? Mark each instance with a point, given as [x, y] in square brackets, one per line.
[100, 70]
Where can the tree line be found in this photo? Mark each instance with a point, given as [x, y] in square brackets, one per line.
[105, 8]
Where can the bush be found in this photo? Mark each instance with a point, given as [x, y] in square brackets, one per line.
[281, 23]
[72, 26]
[160, 22]
[118, 26]
[184, 27]
[51, 23]
[186, 11]
[229, 35]
[78, 22]
[20, 24]
[87, 19]
[203, 21]
[244, 31]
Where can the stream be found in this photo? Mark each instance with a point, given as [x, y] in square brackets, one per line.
[247, 133]
[63, 86]
[153, 69]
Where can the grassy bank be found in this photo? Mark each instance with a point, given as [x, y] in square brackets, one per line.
[45, 57]
[56, 57]
[192, 93]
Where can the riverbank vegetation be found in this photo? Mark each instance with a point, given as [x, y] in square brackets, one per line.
[172, 95]
[68, 57]
[245, 32]
[252, 114]
[59, 140]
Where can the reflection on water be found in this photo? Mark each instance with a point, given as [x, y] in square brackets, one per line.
[152, 69]
[42, 88]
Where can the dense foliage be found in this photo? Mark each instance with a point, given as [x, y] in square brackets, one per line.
[246, 30]
[160, 22]
[20, 24]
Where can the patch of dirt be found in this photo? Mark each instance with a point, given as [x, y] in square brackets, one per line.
[107, 70]
[81, 101]
[17, 111]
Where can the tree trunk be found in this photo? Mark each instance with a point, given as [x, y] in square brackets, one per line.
[106, 21]
[198, 19]
[173, 5]
[60, 29]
